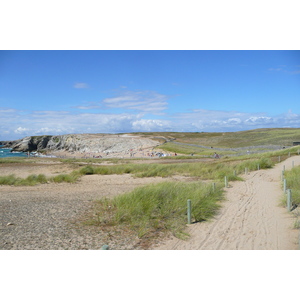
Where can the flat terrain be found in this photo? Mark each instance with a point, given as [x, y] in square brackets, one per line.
[53, 215]
[50, 216]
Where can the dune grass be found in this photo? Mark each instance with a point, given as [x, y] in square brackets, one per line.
[30, 180]
[204, 170]
[159, 207]
[38, 179]
[293, 182]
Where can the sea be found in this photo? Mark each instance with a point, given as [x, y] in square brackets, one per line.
[5, 152]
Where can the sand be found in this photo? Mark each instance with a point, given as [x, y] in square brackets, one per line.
[251, 217]
[49, 216]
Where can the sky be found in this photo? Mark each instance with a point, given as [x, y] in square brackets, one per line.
[59, 92]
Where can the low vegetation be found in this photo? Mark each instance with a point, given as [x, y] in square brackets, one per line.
[159, 207]
[30, 180]
[203, 170]
[262, 136]
[162, 207]
[293, 182]
[38, 179]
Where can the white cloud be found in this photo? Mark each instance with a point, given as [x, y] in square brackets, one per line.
[259, 120]
[21, 130]
[142, 101]
[17, 124]
[151, 125]
[81, 85]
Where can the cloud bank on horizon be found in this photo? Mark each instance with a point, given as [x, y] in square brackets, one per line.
[135, 106]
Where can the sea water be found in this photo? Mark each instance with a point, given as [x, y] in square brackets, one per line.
[5, 152]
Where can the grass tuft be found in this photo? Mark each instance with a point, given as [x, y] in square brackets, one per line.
[163, 206]
[293, 182]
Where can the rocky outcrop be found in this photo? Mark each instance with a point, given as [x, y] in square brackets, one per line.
[31, 143]
[84, 143]
[9, 144]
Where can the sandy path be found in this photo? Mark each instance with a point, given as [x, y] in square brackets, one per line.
[250, 218]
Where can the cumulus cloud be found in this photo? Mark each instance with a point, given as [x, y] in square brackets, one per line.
[17, 124]
[151, 125]
[21, 130]
[259, 120]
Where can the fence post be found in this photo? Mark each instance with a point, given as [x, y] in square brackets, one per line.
[189, 211]
[284, 186]
[279, 158]
[282, 175]
[289, 199]
[214, 186]
[226, 182]
[258, 167]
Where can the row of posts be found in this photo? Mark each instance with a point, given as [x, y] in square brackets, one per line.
[189, 202]
[287, 191]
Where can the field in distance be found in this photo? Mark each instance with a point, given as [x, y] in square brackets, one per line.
[257, 137]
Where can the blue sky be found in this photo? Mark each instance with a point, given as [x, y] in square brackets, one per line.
[58, 92]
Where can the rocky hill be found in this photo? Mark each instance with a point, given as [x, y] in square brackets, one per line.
[83, 143]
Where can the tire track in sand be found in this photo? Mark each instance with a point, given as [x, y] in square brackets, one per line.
[250, 217]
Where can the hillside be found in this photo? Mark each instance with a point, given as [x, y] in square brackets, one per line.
[199, 143]
[92, 144]
[257, 137]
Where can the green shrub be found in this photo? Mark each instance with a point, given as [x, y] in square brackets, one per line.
[8, 180]
[87, 170]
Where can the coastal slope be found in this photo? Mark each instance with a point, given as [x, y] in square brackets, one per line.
[93, 144]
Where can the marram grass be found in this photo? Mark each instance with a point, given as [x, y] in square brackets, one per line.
[293, 182]
[163, 206]
[38, 179]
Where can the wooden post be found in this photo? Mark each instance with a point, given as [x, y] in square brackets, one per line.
[189, 211]
[258, 167]
[234, 173]
[226, 182]
[282, 175]
[289, 200]
[284, 186]
[279, 158]
[214, 186]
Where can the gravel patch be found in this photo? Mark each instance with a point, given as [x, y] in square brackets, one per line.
[50, 216]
